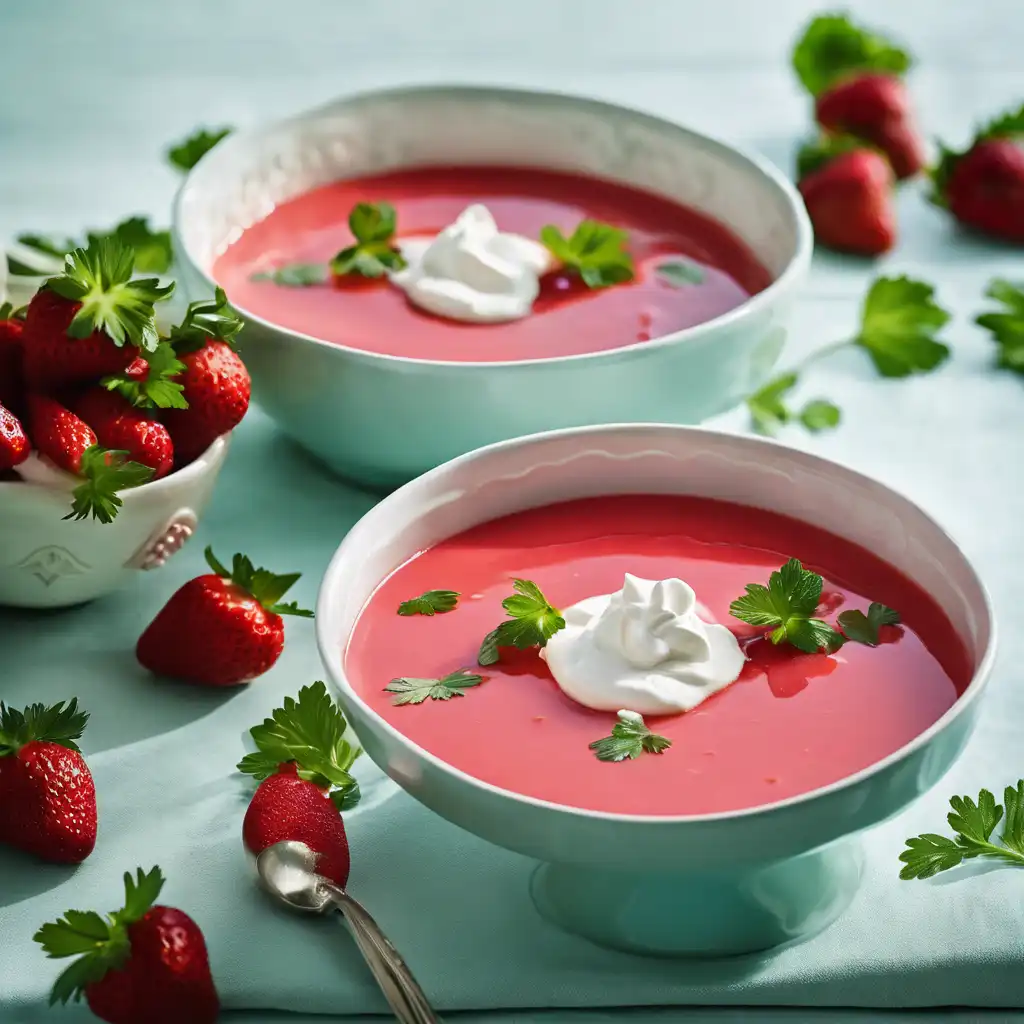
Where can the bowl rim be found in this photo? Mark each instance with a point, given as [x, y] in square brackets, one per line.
[790, 278]
[333, 578]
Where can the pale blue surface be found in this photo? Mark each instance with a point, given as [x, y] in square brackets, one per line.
[80, 145]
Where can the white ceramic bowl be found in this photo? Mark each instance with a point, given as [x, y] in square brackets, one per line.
[49, 562]
[362, 413]
[708, 884]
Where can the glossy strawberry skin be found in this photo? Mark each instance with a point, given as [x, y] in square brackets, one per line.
[48, 803]
[217, 387]
[12, 378]
[985, 189]
[52, 359]
[287, 807]
[212, 632]
[14, 442]
[58, 433]
[875, 108]
[849, 203]
[166, 978]
[122, 427]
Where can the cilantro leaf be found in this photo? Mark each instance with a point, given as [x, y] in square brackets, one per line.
[863, 629]
[629, 739]
[430, 603]
[104, 472]
[1007, 326]
[534, 620]
[974, 823]
[679, 273]
[296, 275]
[265, 586]
[375, 253]
[205, 320]
[787, 605]
[594, 251]
[184, 155]
[832, 47]
[898, 327]
[60, 723]
[158, 389]
[409, 690]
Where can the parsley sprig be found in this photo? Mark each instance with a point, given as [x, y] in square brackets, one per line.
[184, 155]
[432, 602]
[533, 622]
[973, 822]
[866, 628]
[629, 739]
[104, 472]
[1006, 326]
[899, 323]
[157, 389]
[595, 251]
[375, 252]
[410, 690]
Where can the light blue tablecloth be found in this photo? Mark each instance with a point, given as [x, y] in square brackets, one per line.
[163, 755]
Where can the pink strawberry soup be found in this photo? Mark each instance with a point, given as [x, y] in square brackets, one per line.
[567, 319]
[791, 723]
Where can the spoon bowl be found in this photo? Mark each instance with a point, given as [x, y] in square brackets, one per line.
[287, 870]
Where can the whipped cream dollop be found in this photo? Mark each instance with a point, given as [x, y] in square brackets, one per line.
[645, 648]
[473, 272]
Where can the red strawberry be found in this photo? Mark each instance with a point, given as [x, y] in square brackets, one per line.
[984, 186]
[875, 108]
[71, 445]
[143, 963]
[14, 443]
[220, 629]
[120, 425]
[848, 197]
[303, 760]
[92, 320]
[12, 383]
[46, 791]
[215, 381]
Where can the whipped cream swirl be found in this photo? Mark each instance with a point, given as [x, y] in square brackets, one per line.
[645, 648]
[472, 271]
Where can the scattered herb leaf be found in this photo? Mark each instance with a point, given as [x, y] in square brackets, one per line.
[595, 251]
[104, 472]
[680, 274]
[375, 253]
[430, 603]
[186, 154]
[819, 415]
[159, 389]
[409, 690]
[296, 275]
[1007, 326]
[769, 411]
[534, 620]
[864, 629]
[629, 739]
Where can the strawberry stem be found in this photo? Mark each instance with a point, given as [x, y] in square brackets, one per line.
[266, 587]
[60, 723]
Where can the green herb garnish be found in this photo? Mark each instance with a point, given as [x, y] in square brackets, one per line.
[534, 621]
[973, 823]
[104, 472]
[409, 690]
[864, 629]
[1007, 326]
[595, 251]
[679, 274]
[296, 275]
[159, 389]
[629, 739]
[432, 602]
[375, 252]
[769, 411]
[186, 154]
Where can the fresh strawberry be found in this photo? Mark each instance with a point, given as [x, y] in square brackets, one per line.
[46, 791]
[875, 108]
[71, 445]
[120, 425]
[92, 320]
[14, 443]
[215, 381]
[220, 629]
[303, 761]
[12, 381]
[983, 187]
[847, 192]
[143, 964]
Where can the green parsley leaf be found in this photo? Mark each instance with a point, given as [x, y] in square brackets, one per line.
[186, 154]
[104, 472]
[832, 47]
[310, 732]
[629, 739]
[928, 854]
[769, 411]
[595, 251]
[787, 606]
[266, 587]
[820, 415]
[60, 723]
[679, 273]
[898, 327]
[409, 690]
[1006, 326]
[430, 603]
[373, 227]
[296, 275]
[534, 620]
[863, 629]
[205, 320]
[153, 252]
[158, 390]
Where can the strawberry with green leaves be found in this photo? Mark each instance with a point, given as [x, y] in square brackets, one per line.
[143, 963]
[220, 629]
[303, 761]
[92, 320]
[47, 796]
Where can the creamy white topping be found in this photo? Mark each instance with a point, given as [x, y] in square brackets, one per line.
[645, 648]
[472, 271]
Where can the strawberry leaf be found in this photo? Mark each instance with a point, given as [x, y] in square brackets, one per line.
[105, 472]
[265, 586]
[158, 389]
[208, 319]
[140, 893]
[186, 154]
[813, 156]
[60, 723]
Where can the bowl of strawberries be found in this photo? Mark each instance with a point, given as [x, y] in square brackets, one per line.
[112, 431]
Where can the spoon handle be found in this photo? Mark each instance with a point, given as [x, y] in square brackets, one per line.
[403, 993]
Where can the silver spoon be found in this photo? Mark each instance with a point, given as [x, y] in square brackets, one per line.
[287, 871]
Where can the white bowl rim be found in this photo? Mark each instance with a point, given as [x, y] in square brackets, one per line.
[790, 277]
[333, 578]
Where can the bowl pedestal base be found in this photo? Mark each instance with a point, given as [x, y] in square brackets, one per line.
[723, 912]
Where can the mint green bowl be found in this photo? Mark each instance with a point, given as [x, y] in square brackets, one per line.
[368, 416]
[706, 884]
